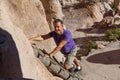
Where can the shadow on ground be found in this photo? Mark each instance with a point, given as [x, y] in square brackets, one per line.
[82, 44]
[110, 57]
[97, 29]
[86, 39]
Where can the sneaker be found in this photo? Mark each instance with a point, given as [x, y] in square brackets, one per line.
[72, 69]
[78, 69]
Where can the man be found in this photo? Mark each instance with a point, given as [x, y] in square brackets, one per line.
[65, 44]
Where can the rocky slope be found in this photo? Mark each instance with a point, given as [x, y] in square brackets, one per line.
[80, 20]
[22, 19]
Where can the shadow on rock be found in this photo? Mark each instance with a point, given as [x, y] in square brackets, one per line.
[110, 57]
[10, 66]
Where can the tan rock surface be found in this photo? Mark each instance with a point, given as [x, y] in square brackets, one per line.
[18, 60]
[96, 11]
[117, 5]
[28, 17]
[53, 10]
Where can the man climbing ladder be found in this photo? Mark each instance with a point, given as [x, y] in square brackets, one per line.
[65, 44]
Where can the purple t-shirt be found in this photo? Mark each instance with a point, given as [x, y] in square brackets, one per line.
[67, 36]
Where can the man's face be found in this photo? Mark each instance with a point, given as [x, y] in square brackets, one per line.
[58, 28]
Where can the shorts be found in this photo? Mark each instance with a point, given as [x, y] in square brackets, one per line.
[70, 57]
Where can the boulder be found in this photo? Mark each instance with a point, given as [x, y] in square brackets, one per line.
[53, 10]
[20, 20]
[95, 10]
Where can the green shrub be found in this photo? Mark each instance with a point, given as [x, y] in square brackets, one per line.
[113, 34]
[92, 45]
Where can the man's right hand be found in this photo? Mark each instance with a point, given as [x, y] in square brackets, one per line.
[36, 38]
[48, 55]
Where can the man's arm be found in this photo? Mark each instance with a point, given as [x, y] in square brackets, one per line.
[58, 48]
[39, 38]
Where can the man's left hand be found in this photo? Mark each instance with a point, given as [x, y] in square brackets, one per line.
[48, 55]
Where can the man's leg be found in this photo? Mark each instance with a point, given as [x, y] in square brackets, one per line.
[69, 60]
[68, 63]
[67, 66]
[76, 62]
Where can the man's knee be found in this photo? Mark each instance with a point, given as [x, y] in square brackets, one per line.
[66, 66]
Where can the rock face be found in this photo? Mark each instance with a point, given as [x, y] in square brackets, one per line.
[66, 3]
[96, 11]
[17, 59]
[22, 19]
[53, 10]
[30, 17]
[117, 5]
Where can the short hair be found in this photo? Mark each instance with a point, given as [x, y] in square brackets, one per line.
[58, 20]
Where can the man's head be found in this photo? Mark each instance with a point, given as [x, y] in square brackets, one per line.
[58, 25]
